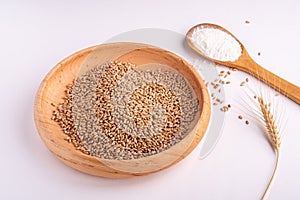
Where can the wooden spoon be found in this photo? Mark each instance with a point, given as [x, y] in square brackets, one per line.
[248, 65]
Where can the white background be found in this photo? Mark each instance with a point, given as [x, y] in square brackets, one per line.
[37, 35]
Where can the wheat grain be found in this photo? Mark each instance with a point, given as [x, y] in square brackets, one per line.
[269, 122]
[119, 111]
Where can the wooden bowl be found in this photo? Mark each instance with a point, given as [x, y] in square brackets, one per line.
[52, 90]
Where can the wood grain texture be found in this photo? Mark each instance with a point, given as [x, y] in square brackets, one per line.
[248, 65]
[52, 90]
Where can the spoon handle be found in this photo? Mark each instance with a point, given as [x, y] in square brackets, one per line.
[281, 85]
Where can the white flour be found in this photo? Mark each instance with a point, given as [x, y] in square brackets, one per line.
[216, 44]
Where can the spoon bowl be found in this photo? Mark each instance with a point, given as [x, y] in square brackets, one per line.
[245, 63]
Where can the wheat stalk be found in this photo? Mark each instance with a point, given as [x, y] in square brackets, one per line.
[273, 136]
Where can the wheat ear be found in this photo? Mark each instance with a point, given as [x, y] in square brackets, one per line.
[273, 136]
